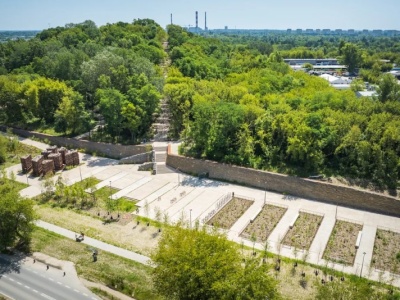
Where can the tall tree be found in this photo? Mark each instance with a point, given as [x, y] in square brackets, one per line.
[388, 88]
[16, 216]
[196, 264]
[351, 56]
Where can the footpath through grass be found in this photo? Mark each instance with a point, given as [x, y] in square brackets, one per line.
[126, 276]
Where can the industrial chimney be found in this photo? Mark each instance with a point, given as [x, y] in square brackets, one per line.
[197, 19]
[171, 19]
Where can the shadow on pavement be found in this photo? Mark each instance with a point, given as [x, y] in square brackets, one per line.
[10, 263]
[197, 182]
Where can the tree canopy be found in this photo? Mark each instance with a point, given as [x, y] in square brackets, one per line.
[16, 216]
[196, 264]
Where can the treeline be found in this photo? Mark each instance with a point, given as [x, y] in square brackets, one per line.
[66, 78]
[252, 110]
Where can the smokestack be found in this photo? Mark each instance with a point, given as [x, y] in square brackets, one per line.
[197, 19]
[205, 21]
[171, 19]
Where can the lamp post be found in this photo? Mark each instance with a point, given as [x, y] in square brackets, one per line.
[362, 264]
[80, 172]
[190, 218]
[27, 182]
[109, 199]
[265, 196]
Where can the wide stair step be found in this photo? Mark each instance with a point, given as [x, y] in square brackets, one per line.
[163, 169]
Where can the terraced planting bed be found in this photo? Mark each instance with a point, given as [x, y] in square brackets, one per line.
[341, 246]
[230, 213]
[264, 223]
[386, 254]
[303, 231]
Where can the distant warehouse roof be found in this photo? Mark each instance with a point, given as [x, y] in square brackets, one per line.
[329, 67]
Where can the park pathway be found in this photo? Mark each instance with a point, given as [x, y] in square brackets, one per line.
[96, 243]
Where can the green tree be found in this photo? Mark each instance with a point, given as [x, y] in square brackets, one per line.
[351, 56]
[111, 102]
[196, 264]
[71, 115]
[16, 217]
[388, 88]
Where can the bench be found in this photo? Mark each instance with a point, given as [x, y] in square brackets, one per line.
[358, 239]
[293, 221]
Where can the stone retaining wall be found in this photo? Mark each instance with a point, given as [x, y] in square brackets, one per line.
[294, 186]
[109, 150]
[137, 159]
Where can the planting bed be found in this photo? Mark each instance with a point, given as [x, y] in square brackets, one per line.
[386, 254]
[264, 223]
[341, 246]
[230, 213]
[303, 231]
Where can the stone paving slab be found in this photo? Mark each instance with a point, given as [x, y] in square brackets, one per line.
[282, 227]
[31, 191]
[366, 246]
[172, 197]
[126, 181]
[105, 174]
[130, 188]
[148, 188]
[157, 193]
[108, 180]
[185, 203]
[321, 239]
[244, 220]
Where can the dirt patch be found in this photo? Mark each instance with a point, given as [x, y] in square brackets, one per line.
[264, 223]
[303, 231]
[230, 213]
[341, 245]
[386, 254]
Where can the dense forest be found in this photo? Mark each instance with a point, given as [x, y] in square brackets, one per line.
[232, 98]
[66, 78]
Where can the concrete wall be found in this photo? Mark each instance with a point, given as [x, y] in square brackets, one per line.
[108, 150]
[298, 187]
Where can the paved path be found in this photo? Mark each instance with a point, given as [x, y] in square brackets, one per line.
[96, 243]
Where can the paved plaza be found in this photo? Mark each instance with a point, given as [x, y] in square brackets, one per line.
[188, 198]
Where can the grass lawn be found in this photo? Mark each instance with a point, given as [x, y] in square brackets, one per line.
[130, 277]
[13, 157]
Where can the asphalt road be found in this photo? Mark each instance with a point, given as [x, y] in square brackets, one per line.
[25, 280]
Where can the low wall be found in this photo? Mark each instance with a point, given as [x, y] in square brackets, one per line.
[299, 187]
[109, 150]
[137, 159]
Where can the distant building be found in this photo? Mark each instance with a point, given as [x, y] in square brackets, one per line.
[351, 31]
[313, 61]
[366, 94]
[326, 31]
[299, 30]
[338, 31]
[309, 31]
[339, 83]
[318, 31]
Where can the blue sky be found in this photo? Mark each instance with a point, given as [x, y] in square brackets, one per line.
[277, 14]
